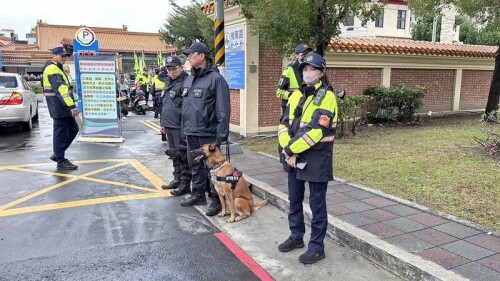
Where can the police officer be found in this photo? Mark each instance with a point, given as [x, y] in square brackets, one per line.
[61, 106]
[157, 89]
[171, 125]
[205, 118]
[306, 134]
[291, 78]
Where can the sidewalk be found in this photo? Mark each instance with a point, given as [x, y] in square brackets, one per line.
[406, 238]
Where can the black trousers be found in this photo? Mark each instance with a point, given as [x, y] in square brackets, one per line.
[317, 201]
[181, 167]
[65, 131]
[199, 170]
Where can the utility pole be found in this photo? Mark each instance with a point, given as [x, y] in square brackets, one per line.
[220, 59]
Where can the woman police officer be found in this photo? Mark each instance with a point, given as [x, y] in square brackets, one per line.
[306, 134]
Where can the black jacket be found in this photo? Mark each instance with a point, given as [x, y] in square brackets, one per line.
[172, 102]
[206, 105]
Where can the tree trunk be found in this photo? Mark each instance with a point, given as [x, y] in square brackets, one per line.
[494, 94]
[319, 8]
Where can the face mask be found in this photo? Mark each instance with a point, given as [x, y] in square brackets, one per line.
[311, 77]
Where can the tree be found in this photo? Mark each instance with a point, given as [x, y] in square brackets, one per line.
[283, 24]
[422, 30]
[485, 12]
[186, 25]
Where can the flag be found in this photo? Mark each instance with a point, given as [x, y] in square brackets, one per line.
[136, 64]
[160, 59]
[143, 61]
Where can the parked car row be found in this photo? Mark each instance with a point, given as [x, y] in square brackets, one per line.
[18, 103]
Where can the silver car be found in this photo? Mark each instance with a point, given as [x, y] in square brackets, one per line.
[18, 103]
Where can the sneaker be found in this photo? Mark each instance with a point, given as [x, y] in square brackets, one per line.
[291, 244]
[194, 200]
[311, 257]
[66, 165]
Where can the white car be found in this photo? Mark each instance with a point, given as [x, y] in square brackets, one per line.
[18, 103]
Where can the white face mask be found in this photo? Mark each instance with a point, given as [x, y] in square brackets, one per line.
[311, 77]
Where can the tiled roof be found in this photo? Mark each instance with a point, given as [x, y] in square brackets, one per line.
[110, 39]
[209, 8]
[25, 56]
[374, 45]
[5, 42]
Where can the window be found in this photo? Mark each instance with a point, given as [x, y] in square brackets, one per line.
[379, 22]
[401, 19]
[8, 82]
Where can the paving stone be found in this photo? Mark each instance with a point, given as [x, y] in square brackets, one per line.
[263, 177]
[405, 224]
[492, 262]
[486, 241]
[357, 206]
[427, 219]
[339, 198]
[457, 230]
[433, 236]
[343, 187]
[360, 194]
[276, 181]
[381, 230]
[379, 202]
[379, 215]
[337, 210]
[253, 172]
[467, 250]
[477, 272]
[444, 258]
[356, 219]
[401, 210]
[409, 243]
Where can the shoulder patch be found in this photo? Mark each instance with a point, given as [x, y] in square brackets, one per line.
[324, 121]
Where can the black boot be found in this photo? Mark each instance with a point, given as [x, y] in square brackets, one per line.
[172, 185]
[215, 207]
[198, 199]
[183, 188]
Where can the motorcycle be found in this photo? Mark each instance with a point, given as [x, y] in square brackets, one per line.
[138, 101]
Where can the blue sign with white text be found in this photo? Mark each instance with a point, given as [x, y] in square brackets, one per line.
[235, 69]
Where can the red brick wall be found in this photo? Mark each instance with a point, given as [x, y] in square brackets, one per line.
[439, 85]
[235, 107]
[355, 80]
[475, 88]
[270, 68]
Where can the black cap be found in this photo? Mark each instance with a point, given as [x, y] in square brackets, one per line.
[198, 47]
[59, 51]
[173, 61]
[302, 48]
[315, 60]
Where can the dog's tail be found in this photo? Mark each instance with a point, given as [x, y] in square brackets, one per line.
[260, 204]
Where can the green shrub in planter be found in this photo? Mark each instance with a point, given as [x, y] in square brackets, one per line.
[398, 103]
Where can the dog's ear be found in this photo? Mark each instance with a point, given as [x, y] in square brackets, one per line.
[212, 147]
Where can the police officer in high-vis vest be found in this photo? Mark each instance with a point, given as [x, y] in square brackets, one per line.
[306, 134]
[291, 78]
[61, 106]
[157, 89]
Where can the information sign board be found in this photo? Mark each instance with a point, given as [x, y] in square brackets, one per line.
[234, 44]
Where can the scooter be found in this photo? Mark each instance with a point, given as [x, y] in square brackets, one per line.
[138, 101]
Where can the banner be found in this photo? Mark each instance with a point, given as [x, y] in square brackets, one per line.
[98, 87]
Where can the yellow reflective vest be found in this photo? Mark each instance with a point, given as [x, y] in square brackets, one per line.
[56, 91]
[311, 134]
[289, 81]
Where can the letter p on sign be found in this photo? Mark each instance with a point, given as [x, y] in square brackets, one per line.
[85, 36]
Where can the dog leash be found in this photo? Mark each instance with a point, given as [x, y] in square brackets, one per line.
[228, 155]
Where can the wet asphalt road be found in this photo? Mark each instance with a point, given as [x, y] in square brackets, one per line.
[66, 227]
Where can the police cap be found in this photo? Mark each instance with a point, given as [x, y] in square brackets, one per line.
[60, 51]
[173, 61]
[198, 47]
[302, 48]
[315, 60]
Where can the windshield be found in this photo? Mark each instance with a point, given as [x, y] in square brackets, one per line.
[8, 82]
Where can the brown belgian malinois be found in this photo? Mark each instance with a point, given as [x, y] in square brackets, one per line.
[228, 183]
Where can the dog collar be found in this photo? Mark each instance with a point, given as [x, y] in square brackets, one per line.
[218, 165]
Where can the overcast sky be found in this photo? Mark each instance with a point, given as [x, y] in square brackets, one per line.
[22, 15]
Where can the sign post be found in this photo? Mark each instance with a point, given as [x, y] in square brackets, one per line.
[96, 87]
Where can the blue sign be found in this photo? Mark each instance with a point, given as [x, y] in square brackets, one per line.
[235, 69]
[234, 44]
[1, 60]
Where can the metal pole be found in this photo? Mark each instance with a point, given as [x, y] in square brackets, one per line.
[219, 33]
[434, 29]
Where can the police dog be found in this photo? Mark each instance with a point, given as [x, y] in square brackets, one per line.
[240, 199]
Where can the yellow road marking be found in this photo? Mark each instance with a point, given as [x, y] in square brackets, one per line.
[55, 186]
[154, 179]
[87, 178]
[80, 203]
[152, 126]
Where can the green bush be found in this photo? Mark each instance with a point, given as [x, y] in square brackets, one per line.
[347, 113]
[398, 103]
[37, 89]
